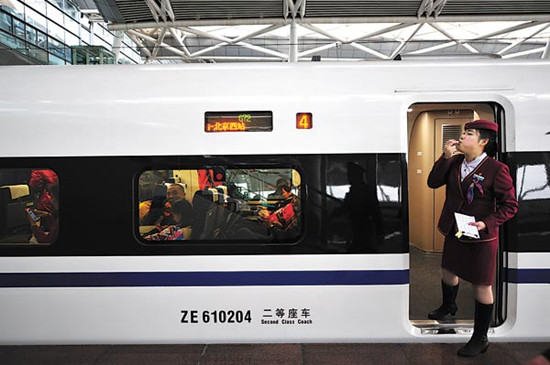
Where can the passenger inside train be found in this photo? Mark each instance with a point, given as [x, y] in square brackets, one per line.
[175, 231]
[29, 206]
[286, 215]
[227, 204]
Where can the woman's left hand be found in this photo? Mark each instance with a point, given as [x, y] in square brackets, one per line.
[479, 224]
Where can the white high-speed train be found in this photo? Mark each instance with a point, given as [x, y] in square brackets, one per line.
[100, 150]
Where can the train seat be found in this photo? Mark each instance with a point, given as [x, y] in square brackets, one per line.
[13, 201]
[203, 200]
[215, 194]
[222, 194]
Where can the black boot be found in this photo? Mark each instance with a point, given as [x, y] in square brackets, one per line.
[449, 305]
[479, 342]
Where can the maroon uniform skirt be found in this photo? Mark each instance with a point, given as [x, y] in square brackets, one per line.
[472, 261]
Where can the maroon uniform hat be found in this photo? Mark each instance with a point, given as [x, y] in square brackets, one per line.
[482, 124]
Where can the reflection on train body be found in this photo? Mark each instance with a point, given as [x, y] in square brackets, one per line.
[533, 191]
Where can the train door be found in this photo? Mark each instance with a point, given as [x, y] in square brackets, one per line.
[429, 126]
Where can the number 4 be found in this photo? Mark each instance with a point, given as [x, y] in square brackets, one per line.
[304, 121]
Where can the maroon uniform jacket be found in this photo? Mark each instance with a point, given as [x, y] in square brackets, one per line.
[495, 206]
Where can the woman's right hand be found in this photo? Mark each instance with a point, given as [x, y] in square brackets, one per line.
[450, 148]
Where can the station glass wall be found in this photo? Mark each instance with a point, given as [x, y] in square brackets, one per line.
[45, 30]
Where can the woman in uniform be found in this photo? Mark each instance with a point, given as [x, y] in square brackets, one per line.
[476, 185]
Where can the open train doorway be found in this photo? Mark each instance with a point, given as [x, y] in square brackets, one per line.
[429, 126]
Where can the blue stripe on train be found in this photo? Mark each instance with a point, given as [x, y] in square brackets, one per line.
[214, 278]
[529, 276]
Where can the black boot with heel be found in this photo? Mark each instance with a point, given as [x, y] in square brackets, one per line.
[479, 342]
[449, 305]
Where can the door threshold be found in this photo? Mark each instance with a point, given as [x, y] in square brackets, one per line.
[450, 327]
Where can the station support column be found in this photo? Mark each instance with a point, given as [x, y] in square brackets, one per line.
[293, 48]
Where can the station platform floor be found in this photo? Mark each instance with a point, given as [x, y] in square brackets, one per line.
[276, 354]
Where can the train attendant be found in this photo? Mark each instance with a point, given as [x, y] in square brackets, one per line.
[476, 185]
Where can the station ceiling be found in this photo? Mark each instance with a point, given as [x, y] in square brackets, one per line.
[173, 31]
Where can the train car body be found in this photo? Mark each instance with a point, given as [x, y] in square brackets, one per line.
[102, 129]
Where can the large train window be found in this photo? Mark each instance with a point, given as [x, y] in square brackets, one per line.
[29, 203]
[220, 204]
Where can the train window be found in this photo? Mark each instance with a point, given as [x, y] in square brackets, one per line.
[220, 204]
[29, 202]
[533, 192]
[363, 203]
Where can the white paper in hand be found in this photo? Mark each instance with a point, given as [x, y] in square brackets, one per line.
[462, 221]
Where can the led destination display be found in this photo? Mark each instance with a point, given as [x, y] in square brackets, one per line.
[238, 121]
